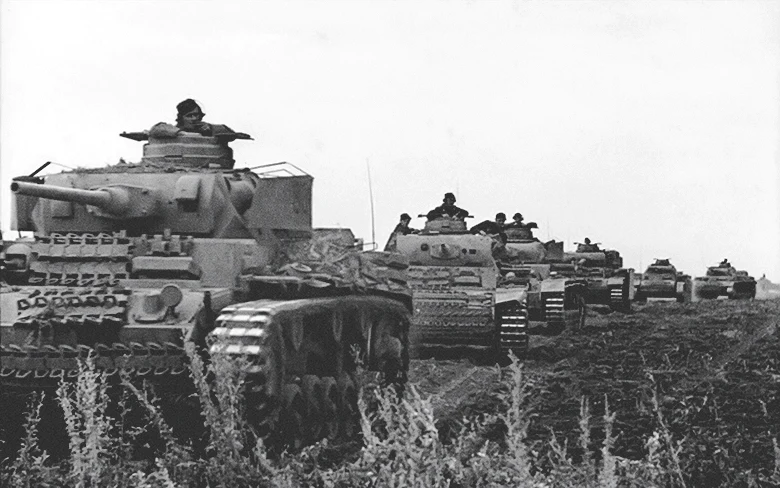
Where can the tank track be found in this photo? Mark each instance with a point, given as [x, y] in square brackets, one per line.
[616, 296]
[562, 311]
[743, 290]
[294, 396]
[554, 311]
[513, 328]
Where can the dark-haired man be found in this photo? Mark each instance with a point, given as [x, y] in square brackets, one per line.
[448, 209]
[401, 229]
[492, 227]
[189, 118]
[517, 222]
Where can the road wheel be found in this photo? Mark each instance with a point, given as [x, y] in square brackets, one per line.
[291, 417]
[329, 404]
[347, 406]
[311, 387]
[582, 312]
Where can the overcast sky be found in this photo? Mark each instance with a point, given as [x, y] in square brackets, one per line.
[651, 127]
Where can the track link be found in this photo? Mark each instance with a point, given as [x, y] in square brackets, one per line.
[513, 328]
[554, 311]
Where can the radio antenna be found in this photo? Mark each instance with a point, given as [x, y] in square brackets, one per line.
[371, 198]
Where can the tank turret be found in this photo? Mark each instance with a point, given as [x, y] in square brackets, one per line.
[523, 247]
[148, 199]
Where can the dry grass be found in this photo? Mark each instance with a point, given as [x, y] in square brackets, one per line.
[401, 446]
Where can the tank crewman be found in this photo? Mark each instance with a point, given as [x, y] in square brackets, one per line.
[448, 209]
[517, 222]
[587, 246]
[189, 118]
[492, 227]
[401, 229]
[725, 263]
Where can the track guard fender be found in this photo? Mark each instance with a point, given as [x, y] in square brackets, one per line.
[554, 286]
[507, 295]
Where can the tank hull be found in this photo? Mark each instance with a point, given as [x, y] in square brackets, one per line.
[725, 282]
[711, 289]
[456, 302]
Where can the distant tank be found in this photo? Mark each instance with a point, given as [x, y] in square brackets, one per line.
[555, 300]
[456, 299]
[725, 281]
[662, 280]
[132, 261]
[608, 282]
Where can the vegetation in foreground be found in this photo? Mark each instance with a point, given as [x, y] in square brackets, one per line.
[401, 445]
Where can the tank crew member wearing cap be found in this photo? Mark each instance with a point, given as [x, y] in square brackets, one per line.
[448, 209]
[401, 229]
[189, 118]
[587, 246]
[492, 227]
[517, 222]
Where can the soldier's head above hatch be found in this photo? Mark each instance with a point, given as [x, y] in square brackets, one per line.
[500, 218]
[189, 115]
[449, 199]
[518, 217]
[587, 240]
[406, 218]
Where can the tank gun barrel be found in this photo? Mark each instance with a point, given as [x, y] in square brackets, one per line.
[111, 200]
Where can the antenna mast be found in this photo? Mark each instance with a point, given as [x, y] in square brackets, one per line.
[371, 198]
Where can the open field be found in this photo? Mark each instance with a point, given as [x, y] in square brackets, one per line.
[692, 392]
[712, 367]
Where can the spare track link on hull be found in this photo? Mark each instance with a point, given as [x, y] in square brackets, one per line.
[299, 361]
[513, 328]
[95, 316]
[448, 320]
[46, 366]
[80, 260]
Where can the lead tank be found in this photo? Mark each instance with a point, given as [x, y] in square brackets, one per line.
[132, 261]
[457, 301]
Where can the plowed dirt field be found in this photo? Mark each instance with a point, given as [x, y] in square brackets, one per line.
[713, 369]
